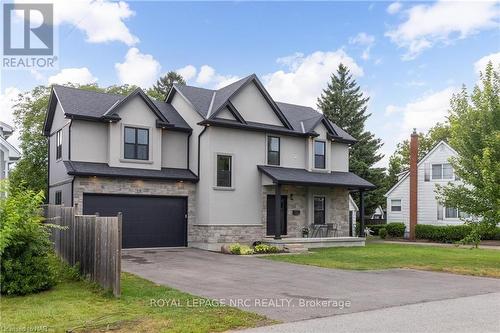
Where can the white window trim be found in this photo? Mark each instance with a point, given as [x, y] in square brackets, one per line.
[267, 147]
[122, 145]
[400, 205]
[442, 173]
[223, 188]
[450, 218]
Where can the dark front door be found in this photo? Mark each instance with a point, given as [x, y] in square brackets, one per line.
[271, 226]
[148, 221]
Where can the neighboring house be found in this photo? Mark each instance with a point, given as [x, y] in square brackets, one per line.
[202, 168]
[8, 153]
[433, 169]
[378, 214]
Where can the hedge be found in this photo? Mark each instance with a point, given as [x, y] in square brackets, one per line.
[395, 229]
[450, 233]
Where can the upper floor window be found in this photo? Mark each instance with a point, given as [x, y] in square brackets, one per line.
[319, 154]
[395, 205]
[136, 143]
[273, 150]
[224, 169]
[58, 144]
[442, 171]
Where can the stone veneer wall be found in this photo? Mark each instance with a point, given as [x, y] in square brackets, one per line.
[337, 207]
[107, 185]
[212, 237]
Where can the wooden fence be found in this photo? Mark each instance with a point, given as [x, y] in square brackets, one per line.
[93, 242]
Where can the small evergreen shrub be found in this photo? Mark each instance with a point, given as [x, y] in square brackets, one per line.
[28, 264]
[395, 230]
[263, 248]
[382, 233]
[240, 249]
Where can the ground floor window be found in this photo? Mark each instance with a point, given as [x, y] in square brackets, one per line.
[58, 198]
[395, 205]
[319, 210]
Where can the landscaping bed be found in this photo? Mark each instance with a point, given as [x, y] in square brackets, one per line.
[79, 306]
[479, 262]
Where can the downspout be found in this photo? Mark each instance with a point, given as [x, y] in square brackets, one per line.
[199, 140]
[188, 140]
[69, 159]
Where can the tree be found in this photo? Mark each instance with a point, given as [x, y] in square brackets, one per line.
[400, 159]
[29, 115]
[475, 135]
[344, 104]
[162, 86]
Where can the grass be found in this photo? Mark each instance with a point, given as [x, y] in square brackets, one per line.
[479, 262]
[81, 306]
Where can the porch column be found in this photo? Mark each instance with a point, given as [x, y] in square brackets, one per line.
[361, 213]
[277, 211]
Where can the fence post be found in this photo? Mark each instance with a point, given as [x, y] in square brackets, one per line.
[118, 254]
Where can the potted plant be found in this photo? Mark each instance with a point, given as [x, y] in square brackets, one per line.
[305, 232]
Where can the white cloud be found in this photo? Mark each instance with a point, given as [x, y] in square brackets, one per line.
[394, 8]
[209, 78]
[73, 75]
[365, 40]
[480, 65]
[307, 75]
[138, 68]
[441, 22]
[7, 100]
[187, 72]
[424, 112]
[100, 20]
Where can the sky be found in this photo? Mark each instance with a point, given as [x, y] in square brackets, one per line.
[408, 57]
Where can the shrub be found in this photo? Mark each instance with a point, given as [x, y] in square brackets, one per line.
[451, 233]
[382, 233]
[375, 228]
[240, 249]
[28, 264]
[263, 248]
[395, 229]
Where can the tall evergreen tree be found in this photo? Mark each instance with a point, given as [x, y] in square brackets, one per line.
[163, 85]
[344, 103]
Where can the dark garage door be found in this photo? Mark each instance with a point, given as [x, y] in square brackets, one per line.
[148, 221]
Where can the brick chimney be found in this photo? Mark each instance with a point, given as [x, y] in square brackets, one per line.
[413, 182]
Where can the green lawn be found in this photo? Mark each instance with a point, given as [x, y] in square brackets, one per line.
[80, 306]
[479, 262]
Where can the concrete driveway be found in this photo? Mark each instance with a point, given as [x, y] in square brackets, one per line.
[290, 292]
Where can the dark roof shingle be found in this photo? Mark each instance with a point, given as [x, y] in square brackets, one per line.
[305, 177]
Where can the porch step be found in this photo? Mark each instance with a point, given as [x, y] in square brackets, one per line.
[294, 248]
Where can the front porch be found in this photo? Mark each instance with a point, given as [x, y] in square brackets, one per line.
[310, 209]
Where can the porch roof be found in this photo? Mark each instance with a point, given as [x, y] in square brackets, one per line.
[295, 176]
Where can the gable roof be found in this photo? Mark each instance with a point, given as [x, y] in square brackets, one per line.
[298, 120]
[407, 172]
[98, 106]
[14, 154]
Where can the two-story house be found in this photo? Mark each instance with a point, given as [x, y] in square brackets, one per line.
[8, 153]
[202, 168]
[433, 169]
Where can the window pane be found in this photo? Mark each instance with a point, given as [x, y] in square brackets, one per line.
[273, 158]
[439, 211]
[319, 161]
[129, 135]
[396, 205]
[319, 217]
[319, 148]
[319, 210]
[437, 171]
[129, 151]
[451, 213]
[223, 171]
[273, 144]
[319, 203]
[447, 171]
[142, 152]
[142, 136]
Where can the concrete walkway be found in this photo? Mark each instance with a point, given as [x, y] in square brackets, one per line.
[466, 314]
[290, 292]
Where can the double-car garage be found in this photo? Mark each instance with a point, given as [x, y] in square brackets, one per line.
[147, 221]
